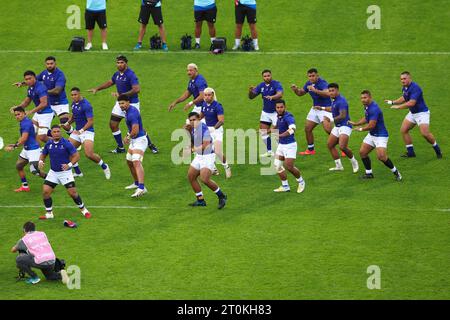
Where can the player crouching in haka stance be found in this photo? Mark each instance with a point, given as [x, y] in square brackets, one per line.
[83, 116]
[287, 149]
[203, 163]
[376, 138]
[30, 152]
[63, 156]
[137, 139]
[340, 134]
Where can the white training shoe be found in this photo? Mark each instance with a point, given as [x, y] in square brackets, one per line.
[282, 189]
[236, 47]
[256, 48]
[337, 168]
[267, 154]
[139, 193]
[215, 172]
[107, 173]
[227, 171]
[301, 187]
[76, 175]
[131, 186]
[105, 46]
[355, 166]
[88, 46]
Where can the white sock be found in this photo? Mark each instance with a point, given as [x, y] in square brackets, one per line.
[435, 144]
[237, 42]
[197, 40]
[212, 39]
[84, 210]
[117, 133]
[338, 163]
[100, 162]
[225, 164]
[255, 42]
[199, 194]
[285, 184]
[300, 180]
[353, 160]
[394, 169]
[369, 171]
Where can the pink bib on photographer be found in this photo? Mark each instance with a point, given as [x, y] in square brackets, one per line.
[38, 245]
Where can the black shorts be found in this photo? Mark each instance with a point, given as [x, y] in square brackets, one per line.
[155, 12]
[92, 17]
[208, 15]
[242, 11]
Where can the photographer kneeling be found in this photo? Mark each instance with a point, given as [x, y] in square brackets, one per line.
[36, 252]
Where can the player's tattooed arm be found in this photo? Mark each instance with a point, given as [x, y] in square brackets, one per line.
[276, 96]
[358, 123]
[42, 104]
[103, 86]
[251, 92]
[182, 98]
[135, 89]
[298, 91]
[395, 102]
[55, 91]
[220, 122]
[411, 103]
[342, 115]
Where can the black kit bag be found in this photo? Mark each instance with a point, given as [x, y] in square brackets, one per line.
[247, 43]
[186, 42]
[155, 42]
[77, 44]
[219, 45]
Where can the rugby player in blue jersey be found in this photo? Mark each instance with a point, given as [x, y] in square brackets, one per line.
[83, 117]
[42, 112]
[287, 149]
[30, 153]
[377, 138]
[126, 83]
[342, 130]
[213, 113]
[270, 91]
[138, 144]
[418, 114]
[318, 90]
[203, 164]
[63, 155]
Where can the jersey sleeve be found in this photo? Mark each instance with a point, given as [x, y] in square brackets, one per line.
[61, 81]
[201, 85]
[278, 87]
[133, 79]
[305, 87]
[26, 127]
[41, 91]
[257, 90]
[39, 77]
[113, 78]
[416, 92]
[290, 121]
[133, 118]
[219, 109]
[373, 114]
[322, 85]
[88, 111]
[70, 148]
[45, 149]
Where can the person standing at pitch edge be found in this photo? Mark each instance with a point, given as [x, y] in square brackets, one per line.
[245, 8]
[153, 8]
[287, 149]
[35, 251]
[418, 114]
[376, 138]
[96, 12]
[340, 134]
[270, 91]
[204, 10]
[127, 84]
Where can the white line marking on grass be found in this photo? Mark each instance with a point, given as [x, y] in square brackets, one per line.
[302, 53]
[95, 207]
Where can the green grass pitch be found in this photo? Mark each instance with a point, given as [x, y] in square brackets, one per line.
[315, 245]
